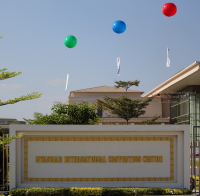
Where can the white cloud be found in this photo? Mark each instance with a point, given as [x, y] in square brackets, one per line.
[56, 82]
[11, 86]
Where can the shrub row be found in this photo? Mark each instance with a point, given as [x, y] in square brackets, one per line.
[96, 191]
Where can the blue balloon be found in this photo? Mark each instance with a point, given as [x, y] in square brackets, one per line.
[119, 26]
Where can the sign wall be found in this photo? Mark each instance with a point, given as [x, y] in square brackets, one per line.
[100, 155]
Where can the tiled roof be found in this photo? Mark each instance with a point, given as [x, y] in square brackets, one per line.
[107, 89]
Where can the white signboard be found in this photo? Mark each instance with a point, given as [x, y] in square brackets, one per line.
[100, 156]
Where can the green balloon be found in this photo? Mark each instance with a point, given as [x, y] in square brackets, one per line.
[70, 41]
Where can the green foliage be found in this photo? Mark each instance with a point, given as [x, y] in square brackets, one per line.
[124, 107]
[114, 191]
[80, 113]
[4, 74]
[40, 191]
[151, 121]
[10, 138]
[33, 95]
[88, 191]
[194, 180]
[126, 85]
[85, 191]
[142, 191]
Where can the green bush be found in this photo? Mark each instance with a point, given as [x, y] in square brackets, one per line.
[40, 192]
[88, 191]
[85, 191]
[196, 182]
[113, 191]
[143, 191]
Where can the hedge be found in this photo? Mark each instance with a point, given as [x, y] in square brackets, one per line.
[74, 191]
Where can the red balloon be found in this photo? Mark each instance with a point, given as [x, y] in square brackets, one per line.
[169, 9]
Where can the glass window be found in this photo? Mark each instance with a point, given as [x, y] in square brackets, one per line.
[179, 113]
[3, 122]
[99, 112]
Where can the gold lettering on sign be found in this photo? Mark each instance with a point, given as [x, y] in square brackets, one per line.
[48, 159]
[148, 159]
[99, 159]
[84, 159]
[124, 159]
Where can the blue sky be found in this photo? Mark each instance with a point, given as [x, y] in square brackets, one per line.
[33, 42]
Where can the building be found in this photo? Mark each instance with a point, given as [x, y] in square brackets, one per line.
[92, 94]
[176, 100]
[180, 96]
[5, 122]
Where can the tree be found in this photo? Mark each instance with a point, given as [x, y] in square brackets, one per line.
[124, 107]
[79, 113]
[4, 74]
[152, 120]
[126, 85]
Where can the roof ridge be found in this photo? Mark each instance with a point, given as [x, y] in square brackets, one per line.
[103, 88]
[88, 88]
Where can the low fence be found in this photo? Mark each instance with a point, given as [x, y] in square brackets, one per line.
[4, 165]
[195, 166]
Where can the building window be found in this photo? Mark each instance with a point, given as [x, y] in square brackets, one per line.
[186, 110]
[180, 113]
[3, 122]
[99, 113]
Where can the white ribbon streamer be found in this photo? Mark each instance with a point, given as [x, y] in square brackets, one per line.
[67, 81]
[168, 59]
[118, 66]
